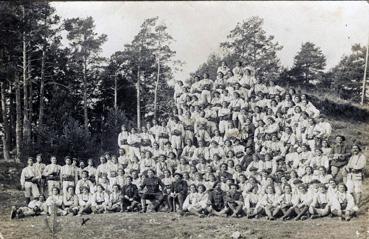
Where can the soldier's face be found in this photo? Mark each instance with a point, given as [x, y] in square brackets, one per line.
[70, 190]
[53, 160]
[355, 149]
[341, 189]
[150, 173]
[55, 191]
[30, 162]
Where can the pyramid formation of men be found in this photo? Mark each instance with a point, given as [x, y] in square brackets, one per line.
[234, 146]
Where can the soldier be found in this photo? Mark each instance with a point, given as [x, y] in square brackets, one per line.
[29, 180]
[52, 174]
[55, 202]
[84, 182]
[234, 201]
[100, 200]
[217, 201]
[178, 192]
[355, 172]
[34, 208]
[70, 202]
[115, 203]
[39, 169]
[152, 184]
[68, 175]
[130, 198]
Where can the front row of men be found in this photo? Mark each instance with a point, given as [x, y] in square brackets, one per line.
[249, 198]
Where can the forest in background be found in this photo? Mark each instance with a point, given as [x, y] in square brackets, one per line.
[60, 96]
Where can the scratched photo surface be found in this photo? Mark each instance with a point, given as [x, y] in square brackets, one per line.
[184, 119]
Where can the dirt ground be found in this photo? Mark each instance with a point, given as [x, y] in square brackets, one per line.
[164, 225]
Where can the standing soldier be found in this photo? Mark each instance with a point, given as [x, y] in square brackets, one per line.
[68, 175]
[28, 181]
[52, 174]
[39, 169]
[355, 173]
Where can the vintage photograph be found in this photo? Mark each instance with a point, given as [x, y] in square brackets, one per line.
[184, 120]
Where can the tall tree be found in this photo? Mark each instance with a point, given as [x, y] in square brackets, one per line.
[347, 75]
[309, 64]
[86, 45]
[249, 43]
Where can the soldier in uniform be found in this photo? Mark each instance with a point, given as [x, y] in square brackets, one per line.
[68, 175]
[178, 192]
[52, 174]
[151, 185]
[29, 180]
[130, 197]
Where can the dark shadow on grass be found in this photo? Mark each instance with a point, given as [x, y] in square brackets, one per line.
[341, 111]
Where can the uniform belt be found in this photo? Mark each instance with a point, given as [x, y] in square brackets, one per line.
[354, 171]
[28, 179]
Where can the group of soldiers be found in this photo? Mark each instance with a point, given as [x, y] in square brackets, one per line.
[233, 146]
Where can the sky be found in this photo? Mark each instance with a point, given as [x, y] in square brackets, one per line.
[199, 27]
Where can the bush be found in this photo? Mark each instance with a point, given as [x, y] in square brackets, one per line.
[74, 140]
[111, 129]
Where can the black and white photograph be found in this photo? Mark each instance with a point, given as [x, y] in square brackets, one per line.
[184, 119]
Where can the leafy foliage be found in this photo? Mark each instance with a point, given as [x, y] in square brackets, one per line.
[347, 76]
[249, 43]
[309, 64]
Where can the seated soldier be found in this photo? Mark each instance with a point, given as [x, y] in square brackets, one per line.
[70, 202]
[343, 203]
[234, 201]
[320, 206]
[84, 201]
[301, 203]
[130, 199]
[34, 208]
[84, 182]
[152, 192]
[178, 192]
[54, 203]
[269, 203]
[100, 200]
[196, 200]
[251, 199]
[217, 201]
[115, 200]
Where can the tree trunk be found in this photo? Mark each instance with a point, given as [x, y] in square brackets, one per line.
[5, 123]
[85, 113]
[26, 122]
[156, 92]
[115, 100]
[18, 125]
[138, 99]
[12, 117]
[42, 91]
[30, 108]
